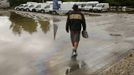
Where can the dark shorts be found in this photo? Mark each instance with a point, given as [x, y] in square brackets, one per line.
[75, 36]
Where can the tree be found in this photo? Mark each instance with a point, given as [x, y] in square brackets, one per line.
[18, 2]
[112, 2]
[130, 3]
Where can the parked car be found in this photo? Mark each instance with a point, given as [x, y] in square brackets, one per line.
[101, 7]
[49, 8]
[40, 7]
[37, 8]
[65, 8]
[32, 7]
[25, 8]
[80, 4]
[89, 5]
[20, 7]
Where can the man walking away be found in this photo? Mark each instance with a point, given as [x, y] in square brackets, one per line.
[75, 21]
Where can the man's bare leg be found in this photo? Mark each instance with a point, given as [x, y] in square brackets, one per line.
[75, 48]
[76, 45]
[72, 44]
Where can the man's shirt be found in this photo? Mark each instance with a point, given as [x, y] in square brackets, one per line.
[75, 21]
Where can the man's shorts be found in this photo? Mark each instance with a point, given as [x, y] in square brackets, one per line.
[75, 36]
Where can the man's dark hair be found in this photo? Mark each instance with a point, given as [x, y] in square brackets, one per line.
[75, 7]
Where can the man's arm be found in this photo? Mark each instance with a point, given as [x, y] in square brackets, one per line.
[83, 23]
[67, 24]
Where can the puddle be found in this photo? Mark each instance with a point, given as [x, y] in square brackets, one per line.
[21, 24]
[30, 39]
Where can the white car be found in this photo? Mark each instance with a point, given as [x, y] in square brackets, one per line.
[40, 8]
[87, 7]
[32, 7]
[101, 7]
[25, 7]
[37, 8]
[98, 8]
[65, 8]
[20, 7]
[49, 8]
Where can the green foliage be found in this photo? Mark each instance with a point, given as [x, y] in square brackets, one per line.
[18, 2]
[130, 2]
[112, 2]
[121, 2]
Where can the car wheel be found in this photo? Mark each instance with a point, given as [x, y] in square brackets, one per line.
[27, 9]
[42, 11]
[50, 12]
[33, 10]
[99, 11]
[54, 13]
[21, 9]
[90, 10]
[17, 9]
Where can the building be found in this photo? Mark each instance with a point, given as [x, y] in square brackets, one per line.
[4, 4]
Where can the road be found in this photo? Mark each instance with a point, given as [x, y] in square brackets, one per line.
[37, 53]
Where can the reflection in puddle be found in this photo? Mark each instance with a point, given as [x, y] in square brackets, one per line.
[73, 66]
[44, 25]
[76, 67]
[55, 28]
[20, 24]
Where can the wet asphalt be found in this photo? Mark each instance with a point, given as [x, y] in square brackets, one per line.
[37, 44]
